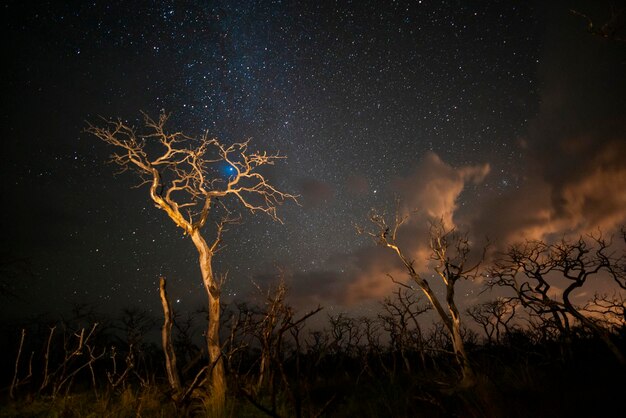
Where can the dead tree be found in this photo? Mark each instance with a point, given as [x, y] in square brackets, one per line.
[450, 253]
[78, 353]
[184, 181]
[188, 353]
[609, 310]
[17, 380]
[400, 319]
[531, 270]
[345, 334]
[271, 326]
[166, 341]
[275, 313]
[495, 317]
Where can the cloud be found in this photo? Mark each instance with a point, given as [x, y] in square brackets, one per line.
[591, 196]
[434, 186]
[348, 278]
[578, 139]
[597, 198]
[366, 274]
[522, 213]
[305, 287]
[541, 208]
[575, 147]
[573, 179]
[584, 173]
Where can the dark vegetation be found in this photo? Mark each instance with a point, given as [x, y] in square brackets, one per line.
[398, 363]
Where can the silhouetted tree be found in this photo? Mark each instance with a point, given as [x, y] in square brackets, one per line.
[495, 317]
[345, 334]
[400, 319]
[272, 325]
[609, 310]
[531, 270]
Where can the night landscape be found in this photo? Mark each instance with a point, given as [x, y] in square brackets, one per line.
[313, 209]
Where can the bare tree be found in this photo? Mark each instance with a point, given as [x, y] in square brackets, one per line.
[271, 325]
[345, 334]
[532, 269]
[495, 317]
[184, 181]
[275, 313]
[450, 253]
[610, 310]
[400, 319]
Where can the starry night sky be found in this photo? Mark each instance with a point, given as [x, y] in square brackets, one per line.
[507, 118]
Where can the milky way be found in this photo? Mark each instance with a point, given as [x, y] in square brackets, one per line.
[367, 99]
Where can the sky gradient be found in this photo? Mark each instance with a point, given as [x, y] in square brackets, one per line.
[508, 120]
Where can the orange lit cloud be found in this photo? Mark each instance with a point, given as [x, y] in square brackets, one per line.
[434, 187]
[586, 196]
[571, 166]
[597, 199]
[538, 209]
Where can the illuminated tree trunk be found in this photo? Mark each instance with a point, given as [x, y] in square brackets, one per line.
[468, 377]
[451, 321]
[450, 268]
[216, 382]
[168, 348]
